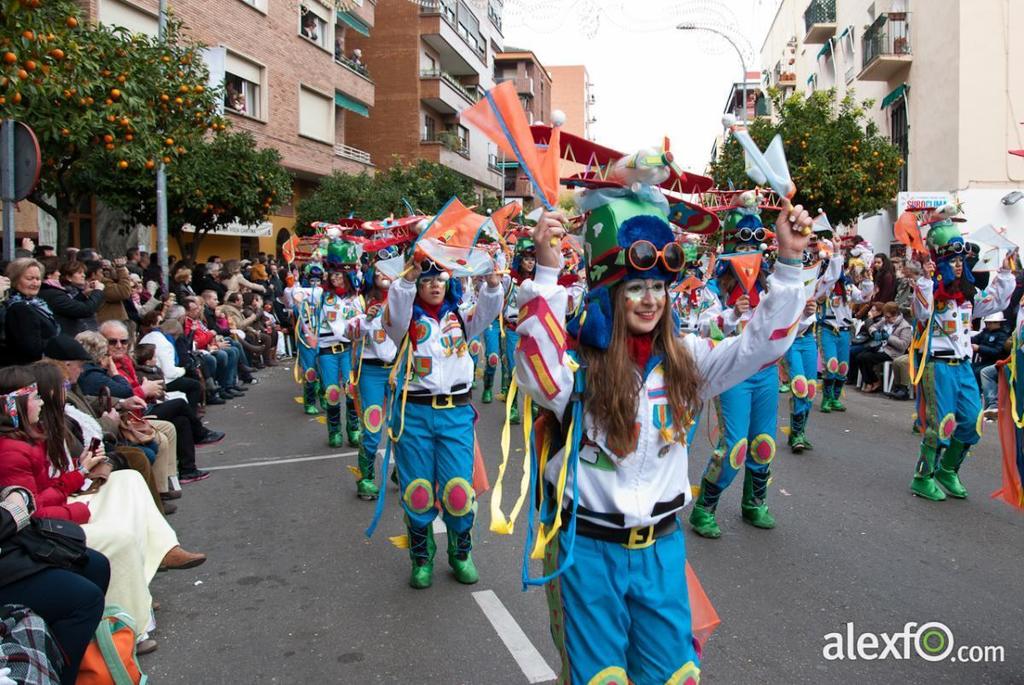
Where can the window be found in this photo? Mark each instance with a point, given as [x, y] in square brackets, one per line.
[427, 63]
[118, 13]
[260, 5]
[316, 115]
[314, 26]
[899, 135]
[243, 90]
[429, 128]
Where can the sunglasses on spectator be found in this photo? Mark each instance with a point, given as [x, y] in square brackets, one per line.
[644, 256]
[123, 342]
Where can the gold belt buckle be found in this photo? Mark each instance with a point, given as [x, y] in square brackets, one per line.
[640, 538]
[446, 402]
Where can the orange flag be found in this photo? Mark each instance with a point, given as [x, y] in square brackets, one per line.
[703, 617]
[1010, 437]
[288, 249]
[746, 268]
[500, 117]
[691, 283]
[503, 216]
[908, 233]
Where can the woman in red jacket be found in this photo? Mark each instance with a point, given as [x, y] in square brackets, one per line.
[120, 520]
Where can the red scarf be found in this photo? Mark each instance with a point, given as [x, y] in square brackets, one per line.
[640, 348]
[942, 295]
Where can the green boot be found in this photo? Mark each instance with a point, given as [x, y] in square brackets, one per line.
[460, 558]
[837, 394]
[421, 551]
[826, 396]
[354, 437]
[334, 439]
[488, 396]
[755, 490]
[367, 489]
[702, 517]
[923, 484]
[796, 442]
[948, 473]
[309, 398]
[513, 416]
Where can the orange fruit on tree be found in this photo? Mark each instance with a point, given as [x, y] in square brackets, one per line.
[71, 22]
[10, 57]
[16, 98]
[115, 93]
[22, 74]
[3, 100]
[129, 137]
[125, 121]
[28, 35]
[65, 132]
[150, 164]
[30, 65]
[181, 150]
[164, 97]
[109, 146]
[169, 142]
[178, 101]
[108, 102]
[108, 138]
[123, 164]
[167, 160]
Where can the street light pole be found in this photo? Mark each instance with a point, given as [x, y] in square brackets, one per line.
[739, 53]
[161, 183]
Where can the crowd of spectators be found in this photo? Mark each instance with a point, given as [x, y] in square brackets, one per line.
[106, 379]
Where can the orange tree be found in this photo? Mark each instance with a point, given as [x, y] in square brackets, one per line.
[225, 179]
[837, 158]
[105, 104]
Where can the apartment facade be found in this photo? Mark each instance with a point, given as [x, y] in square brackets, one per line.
[751, 91]
[947, 81]
[430, 63]
[533, 84]
[573, 93]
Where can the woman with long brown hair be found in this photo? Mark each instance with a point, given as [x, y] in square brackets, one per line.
[613, 549]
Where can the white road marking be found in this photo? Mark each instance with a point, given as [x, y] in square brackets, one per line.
[275, 462]
[526, 655]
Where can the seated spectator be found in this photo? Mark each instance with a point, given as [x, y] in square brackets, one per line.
[141, 302]
[28, 322]
[205, 278]
[73, 300]
[989, 344]
[890, 337]
[167, 360]
[103, 372]
[119, 519]
[70, 600]
[181, 286]
[225, 356]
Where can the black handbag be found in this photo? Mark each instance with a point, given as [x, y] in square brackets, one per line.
[54, 542]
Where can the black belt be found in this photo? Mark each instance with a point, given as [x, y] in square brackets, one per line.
[377, 362]
[336, 348]
[630, 538]
[442, 401]
[950, 359]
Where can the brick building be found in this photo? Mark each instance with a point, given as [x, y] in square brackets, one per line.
[290, 80]
[572, 92]
[429, 64]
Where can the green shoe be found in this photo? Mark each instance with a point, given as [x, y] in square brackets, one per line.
[334, 439]
[311, 409]
[924, 486]
[796, 443]
[783, 388]
[702, 516]
[754, 508]
[838, 406]
[826, 406]
[488, 396]
[806, 443]
[353, 438]
[513, 416]
[950, 482]
[366, 489]
[421, 551]
[462, 562]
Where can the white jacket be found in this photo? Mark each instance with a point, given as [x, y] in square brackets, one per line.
[951, 322]
[164, 355]
[652, 482]
[376, 343]
[441, 361]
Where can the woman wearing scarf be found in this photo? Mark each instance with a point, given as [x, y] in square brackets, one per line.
[29, 323]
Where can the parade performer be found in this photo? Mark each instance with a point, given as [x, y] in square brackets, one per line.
[836, 318]
[433, 426]
[802, 358]
[614, 553]
[747, 412]
[524, 263]
[694, 304]
[1011, 423]
[948, 397]
[376, 356]
[304, 299]
[338, 305]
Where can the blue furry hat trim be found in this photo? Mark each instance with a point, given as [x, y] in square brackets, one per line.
[592, 326]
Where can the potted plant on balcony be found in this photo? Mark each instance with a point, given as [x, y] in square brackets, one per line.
[450, 139]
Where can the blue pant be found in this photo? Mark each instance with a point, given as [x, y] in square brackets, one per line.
[373, 385]
[224, 367]
[747, 414]
[334, 371]
[618, 613]
[308, 371]
[508, 359]
[492, 351]
[990, 385]
[436, 449]
[950, 405]
[802, 362]
[71, 603]
[835, 349]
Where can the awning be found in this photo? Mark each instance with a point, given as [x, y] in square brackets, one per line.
[896, 94]
[353, 22]
[845, 32]
[811, 79]
[825, 49]
[345, 102]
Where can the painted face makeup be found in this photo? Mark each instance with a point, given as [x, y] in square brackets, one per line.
[638, 289]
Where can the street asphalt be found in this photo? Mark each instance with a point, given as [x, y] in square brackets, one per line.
[293, 592]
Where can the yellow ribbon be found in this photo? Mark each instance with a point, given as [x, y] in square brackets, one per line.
[1018, 420]
[393, 382]
[501, 524]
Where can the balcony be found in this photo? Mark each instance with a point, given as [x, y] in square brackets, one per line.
[886, 47]
[448, 140]
[352, 78]
[457, 54]
[443, 93]
[353, 153]
[820, 21]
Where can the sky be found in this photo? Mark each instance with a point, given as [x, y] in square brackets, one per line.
[650, 80]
